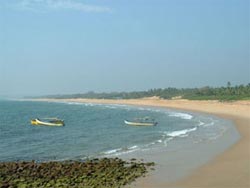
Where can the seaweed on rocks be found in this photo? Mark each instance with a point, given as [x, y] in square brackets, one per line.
[94, 173]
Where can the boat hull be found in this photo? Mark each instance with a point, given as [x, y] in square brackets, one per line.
[140, 123]
[38, 122]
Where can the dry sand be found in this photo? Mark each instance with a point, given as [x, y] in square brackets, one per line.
[231, 169]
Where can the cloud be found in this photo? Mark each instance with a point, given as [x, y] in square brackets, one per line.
[58, 5]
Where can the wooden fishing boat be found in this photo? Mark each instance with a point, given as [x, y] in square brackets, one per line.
[141, 122]
[47, 122]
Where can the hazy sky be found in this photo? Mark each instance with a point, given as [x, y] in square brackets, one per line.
[75, 46]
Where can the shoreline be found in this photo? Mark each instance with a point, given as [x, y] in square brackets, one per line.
[231, 168]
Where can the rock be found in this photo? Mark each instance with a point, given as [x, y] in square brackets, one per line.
[104, 172]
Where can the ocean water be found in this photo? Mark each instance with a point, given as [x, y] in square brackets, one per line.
[95, 130]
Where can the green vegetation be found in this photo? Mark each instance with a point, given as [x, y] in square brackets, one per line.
[238, 92]
[96, 173]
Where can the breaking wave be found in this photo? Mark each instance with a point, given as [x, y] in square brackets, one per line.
[120, 151]
[181, 115]
[180, 132]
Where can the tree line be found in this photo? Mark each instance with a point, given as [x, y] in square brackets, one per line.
[228, 92]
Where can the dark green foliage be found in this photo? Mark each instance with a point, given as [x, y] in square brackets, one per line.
[238, 92]
[106, 172]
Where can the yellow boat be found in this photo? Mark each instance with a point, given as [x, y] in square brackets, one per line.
[47, 122]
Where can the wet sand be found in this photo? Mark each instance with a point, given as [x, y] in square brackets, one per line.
[230, 169]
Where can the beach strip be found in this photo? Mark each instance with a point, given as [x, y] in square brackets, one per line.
[231, 169]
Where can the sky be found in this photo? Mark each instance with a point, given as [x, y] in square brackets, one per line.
[76, 46]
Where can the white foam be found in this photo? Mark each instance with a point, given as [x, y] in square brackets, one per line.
[77, 103]
[90, 104]
[120, 105]
[133, 147]
[120, 151]
[181, 132]
[209, 124]
[112, 151]
[153, 143]
[181, 115]
[167, 140]
[201, 123]
[110, 106]
[115, 106]
[123, 152]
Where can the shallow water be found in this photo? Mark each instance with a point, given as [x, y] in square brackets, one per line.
[93, 130]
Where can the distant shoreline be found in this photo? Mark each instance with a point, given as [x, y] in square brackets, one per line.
[229, 169]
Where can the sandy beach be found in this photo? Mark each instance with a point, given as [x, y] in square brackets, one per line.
[231, 169]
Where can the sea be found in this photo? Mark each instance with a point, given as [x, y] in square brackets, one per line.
[98, 130]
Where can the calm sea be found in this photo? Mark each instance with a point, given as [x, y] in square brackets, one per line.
[95, 130]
